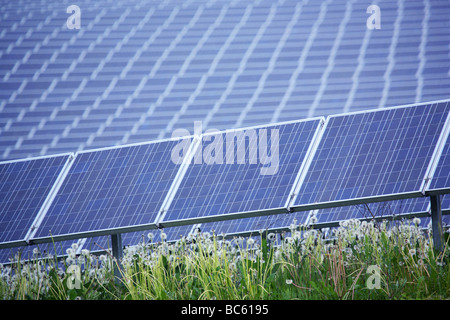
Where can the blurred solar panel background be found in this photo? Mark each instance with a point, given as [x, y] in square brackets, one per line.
[136, 70]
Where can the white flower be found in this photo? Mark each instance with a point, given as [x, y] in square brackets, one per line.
[206, 235]
[313, 220]
[74, 246]
[150, 235]
[250, 241]
[412, 252]
[416, 221]
[85, 252]
[288, 281]
[163, 236]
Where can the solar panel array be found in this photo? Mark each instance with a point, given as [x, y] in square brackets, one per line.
[137, 70]
[223, 185]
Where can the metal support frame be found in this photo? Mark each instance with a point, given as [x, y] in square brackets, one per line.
[117, 250]
[436, 222]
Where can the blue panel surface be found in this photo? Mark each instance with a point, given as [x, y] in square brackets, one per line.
[112, 188]
[24, 186]
[235, 186]
[374, 153]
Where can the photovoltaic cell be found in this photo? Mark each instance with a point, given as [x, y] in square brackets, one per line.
[112, 188]
[234, 185]
[24, 187]
[369, 154]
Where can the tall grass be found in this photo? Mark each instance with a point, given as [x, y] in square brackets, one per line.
[357, 260]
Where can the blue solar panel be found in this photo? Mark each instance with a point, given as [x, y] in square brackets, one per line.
[376, 153]
[35, 252]
[112, 188]
[262, 179]
[24, 187]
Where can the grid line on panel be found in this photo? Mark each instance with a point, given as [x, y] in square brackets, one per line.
[112, 188]
[375, 153]
[223, 188]
[24, 187]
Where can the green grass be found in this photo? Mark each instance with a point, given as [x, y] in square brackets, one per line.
[360, 260]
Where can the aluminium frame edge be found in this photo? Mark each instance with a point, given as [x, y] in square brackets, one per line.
[304, 169]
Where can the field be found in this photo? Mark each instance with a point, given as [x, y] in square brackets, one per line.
[358, 261]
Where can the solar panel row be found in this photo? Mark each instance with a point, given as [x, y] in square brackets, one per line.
[241, 63]
[246, 174]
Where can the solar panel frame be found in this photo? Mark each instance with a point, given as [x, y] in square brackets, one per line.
[441, 164]
[46, 200]
[36, 239]
[163, 222]
[420, 192]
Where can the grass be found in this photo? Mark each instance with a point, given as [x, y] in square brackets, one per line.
[359, 260]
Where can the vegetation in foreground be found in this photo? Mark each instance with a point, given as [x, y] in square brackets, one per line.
[359, 260]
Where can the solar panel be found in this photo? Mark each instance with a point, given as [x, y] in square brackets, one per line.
[368, 155]
[242, 170]
[112, 188]
[24, 188]
[102, 243]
